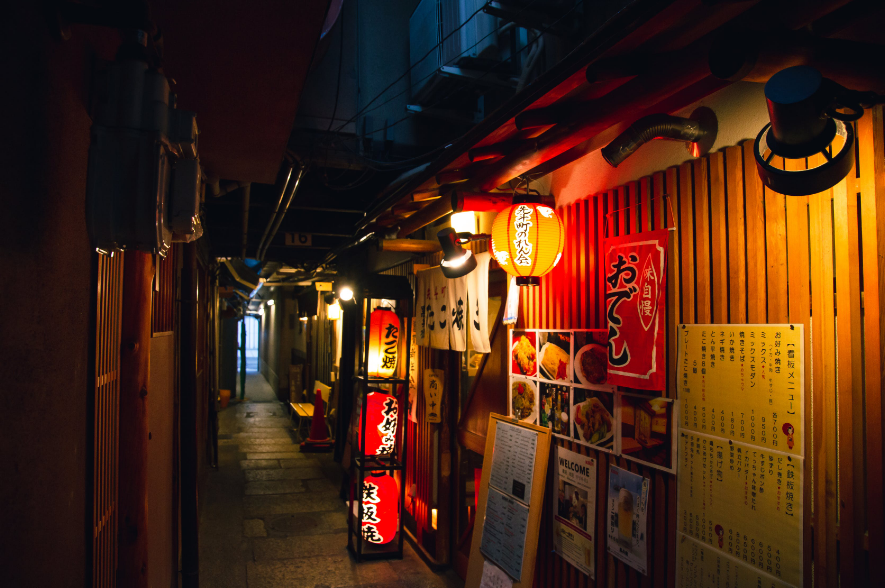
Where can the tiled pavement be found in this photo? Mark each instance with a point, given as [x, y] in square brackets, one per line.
[271, 515]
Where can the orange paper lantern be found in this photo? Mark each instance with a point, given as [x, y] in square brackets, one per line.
[527, 241]
[382, 411]
[383, 343]
[380, 508]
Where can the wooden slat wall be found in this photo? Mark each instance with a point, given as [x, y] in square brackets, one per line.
[740, 253]
[163, 300]
[105, 418]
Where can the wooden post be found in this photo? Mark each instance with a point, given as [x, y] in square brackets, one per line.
[138, 271]
[188, 421]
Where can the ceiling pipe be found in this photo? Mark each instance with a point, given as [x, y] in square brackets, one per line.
[247, 194]
[675, 72]
[286, 175]
[272, 227]
[409, 245]
[495, 150]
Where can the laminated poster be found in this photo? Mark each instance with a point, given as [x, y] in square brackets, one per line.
[574, 509]
[627, 525]
[741, 466]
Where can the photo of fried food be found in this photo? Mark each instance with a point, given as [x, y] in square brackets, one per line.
[524, 355]
[555, 362]
[523, 399]
[593, 421]
[594, 364]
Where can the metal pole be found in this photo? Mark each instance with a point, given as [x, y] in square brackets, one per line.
[243, 359]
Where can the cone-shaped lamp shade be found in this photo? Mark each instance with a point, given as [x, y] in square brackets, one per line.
[380, 508]
[527, 241]
[381, 420]
[383, 343]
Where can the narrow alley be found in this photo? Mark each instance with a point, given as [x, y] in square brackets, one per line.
[273, 517]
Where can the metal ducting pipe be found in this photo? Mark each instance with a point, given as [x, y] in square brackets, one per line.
[699, 130]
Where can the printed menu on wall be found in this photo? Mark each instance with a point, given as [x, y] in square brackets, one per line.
[744, 383]
[740, 452]
[574, 509]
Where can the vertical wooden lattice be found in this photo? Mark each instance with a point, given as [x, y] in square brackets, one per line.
[163, 301]
[105, 414]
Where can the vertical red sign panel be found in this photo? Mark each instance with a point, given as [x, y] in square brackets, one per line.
[635, 298]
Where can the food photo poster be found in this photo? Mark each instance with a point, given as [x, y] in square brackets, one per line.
[646, 430]
[627, 518]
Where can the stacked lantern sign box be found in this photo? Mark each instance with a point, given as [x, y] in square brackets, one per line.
[375, 523]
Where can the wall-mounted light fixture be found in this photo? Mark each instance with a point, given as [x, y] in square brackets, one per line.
[345, 293]
[457, 261]
[464, 222]
[270, 302]
[334, 311]
[804, 110]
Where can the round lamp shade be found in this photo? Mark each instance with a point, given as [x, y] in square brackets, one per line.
[380, 508]
[382, 411]
[383, 343]
[527, 241]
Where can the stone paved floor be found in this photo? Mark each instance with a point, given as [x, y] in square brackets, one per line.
[272, 517]
[257, 388]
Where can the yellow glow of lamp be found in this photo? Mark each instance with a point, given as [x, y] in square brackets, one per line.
[334, 311]
[383, 343]
[527, 241]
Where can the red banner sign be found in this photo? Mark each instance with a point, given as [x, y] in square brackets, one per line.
[635, 297]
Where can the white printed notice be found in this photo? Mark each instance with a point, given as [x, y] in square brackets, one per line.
[627, 509]
[513, 461]
[493, 576]
[574, 508]
[503, 532]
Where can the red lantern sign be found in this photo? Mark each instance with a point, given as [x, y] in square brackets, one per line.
[527, 241]
[381, 420]
[383, 343]
[380, 508]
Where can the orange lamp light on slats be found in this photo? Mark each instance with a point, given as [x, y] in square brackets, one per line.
[527, 241]
[383, 343]
[380, 508]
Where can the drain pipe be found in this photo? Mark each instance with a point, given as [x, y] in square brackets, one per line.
[286, 176]
[699, 131]
[286, 197]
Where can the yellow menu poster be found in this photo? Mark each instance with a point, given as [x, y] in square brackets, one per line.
[743, 502]
[743, 383]
[741, 465]
[702, 567]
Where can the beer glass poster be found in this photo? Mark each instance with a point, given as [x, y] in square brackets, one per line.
[627, 509]
[574, 509]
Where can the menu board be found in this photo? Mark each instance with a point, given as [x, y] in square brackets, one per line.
[510, 495]
[744, 383]
[740, 455]
[503, 537]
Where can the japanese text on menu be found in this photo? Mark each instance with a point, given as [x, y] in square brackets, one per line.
[743, 383]
[744, 502]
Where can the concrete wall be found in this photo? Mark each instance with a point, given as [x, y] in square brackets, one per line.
[740, 109]
[45, 293]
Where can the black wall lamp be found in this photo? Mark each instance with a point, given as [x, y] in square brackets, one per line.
[803, 107]
[457, 261]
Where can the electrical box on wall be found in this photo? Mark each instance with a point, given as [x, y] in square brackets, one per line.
[143, 186]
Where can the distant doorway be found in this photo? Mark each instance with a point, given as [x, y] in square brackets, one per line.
[251, 345]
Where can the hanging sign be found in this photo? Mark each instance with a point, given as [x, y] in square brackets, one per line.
[574, 509]
[635, 296]
[433, 389]
[413, 376]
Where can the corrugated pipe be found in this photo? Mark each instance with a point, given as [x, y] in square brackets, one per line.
[656, 126]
